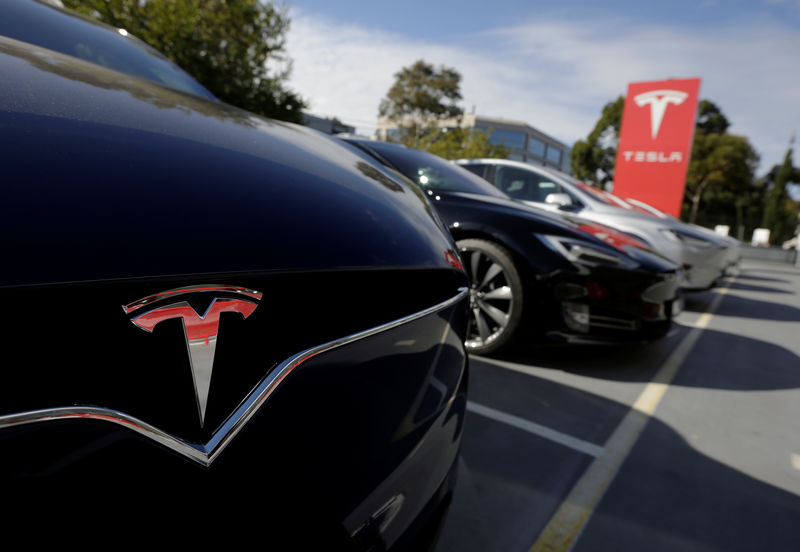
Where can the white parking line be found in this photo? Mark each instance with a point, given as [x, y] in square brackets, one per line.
[566, 525]
[531, 427]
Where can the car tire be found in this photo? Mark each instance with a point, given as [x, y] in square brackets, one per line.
[495, 295]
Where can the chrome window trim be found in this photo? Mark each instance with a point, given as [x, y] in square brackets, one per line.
[206, 453]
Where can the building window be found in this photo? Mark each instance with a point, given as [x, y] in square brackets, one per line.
[394, 134]
[507, 138]
[536, 146]
[554, 155]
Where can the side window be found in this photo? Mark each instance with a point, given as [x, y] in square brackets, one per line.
[547, 187]
[525, 185]
[479, 170]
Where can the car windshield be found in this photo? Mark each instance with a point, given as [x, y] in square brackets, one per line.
[431, 172]
[74, 35]
[649, 209]
[610, 199]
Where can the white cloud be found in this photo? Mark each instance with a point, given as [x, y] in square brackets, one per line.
[557, 75]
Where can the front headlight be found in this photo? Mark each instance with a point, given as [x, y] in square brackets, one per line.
[582, 253]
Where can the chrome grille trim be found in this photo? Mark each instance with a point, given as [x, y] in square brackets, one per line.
[205, 454]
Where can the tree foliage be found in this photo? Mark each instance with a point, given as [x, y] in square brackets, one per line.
[780, 213]
[461, 143]
[592, 160]
[422, 103]
[235, 48]
[720, 169]
[710, 119]
[422, 91]
[421, 96]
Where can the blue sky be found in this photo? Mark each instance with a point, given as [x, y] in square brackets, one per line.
[555, 64]
[452, 19]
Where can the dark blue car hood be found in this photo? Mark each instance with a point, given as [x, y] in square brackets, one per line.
[110, 176]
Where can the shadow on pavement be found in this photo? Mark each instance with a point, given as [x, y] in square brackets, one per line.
[697, 302]
[745, 276]
[788, 271]
[766, 365]
[742, 307]
[622, 363]
[749, 287]
[667, 496]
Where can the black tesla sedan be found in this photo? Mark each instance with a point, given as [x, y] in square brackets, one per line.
[533, 272]
[214, 324]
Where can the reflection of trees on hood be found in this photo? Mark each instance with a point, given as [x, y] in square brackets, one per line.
[234, 48]
[100, 77]
[374, 174]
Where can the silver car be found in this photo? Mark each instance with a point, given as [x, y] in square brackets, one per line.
[734, 245]
[703, 256]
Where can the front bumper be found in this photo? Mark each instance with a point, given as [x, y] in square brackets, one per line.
[704, 268]
[615, 307]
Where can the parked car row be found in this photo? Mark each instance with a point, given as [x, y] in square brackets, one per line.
[702, 254]
[539, 274]
[252, 305]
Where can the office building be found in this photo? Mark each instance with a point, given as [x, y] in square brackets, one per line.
[527, 144]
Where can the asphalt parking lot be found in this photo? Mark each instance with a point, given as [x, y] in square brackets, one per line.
[688, 443]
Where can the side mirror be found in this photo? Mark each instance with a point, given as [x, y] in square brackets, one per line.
[564, 201]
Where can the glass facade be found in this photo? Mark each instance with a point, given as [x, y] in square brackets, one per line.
[394, 133]
[536, 146]
[525, 143]
[554, 155]
[508, 138]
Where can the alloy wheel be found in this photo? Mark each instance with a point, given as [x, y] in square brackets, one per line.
[494, 295]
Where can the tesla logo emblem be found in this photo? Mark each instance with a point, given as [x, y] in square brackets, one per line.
[658, 101]
[200, 330]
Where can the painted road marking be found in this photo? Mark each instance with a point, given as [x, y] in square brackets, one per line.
[795, 460]
[566, 525]
[531, 427]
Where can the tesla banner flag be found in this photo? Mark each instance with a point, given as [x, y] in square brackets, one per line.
[655, 142]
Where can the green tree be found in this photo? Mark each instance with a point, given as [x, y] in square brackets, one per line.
[780, 215]
[235, 48]
[710, 119]
[421, 96]
[461, 143]
[592, 160]
[721, 168]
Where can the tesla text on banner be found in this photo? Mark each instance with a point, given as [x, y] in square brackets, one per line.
[656, 141]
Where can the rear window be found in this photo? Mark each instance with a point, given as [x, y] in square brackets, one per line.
[431, 172]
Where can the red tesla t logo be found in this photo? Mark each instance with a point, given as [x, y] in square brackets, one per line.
[200, 330]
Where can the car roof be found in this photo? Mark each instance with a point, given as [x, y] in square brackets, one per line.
[522, 165]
